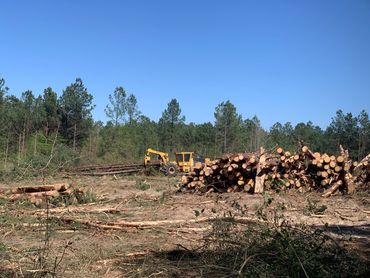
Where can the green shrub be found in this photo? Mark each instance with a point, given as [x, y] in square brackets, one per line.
[3, 248]
[142, 185]
[85, 197]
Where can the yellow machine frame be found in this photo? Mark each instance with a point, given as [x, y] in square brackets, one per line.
[162, 156]
[185, 161]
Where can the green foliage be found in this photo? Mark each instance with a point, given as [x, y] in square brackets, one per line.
[351, 132]
[3, 248]
[9, 219]
[63, 200]
[75, 106]
[252, 135]
[282, 135]
[142, 185]
[227, 124]
[24, 203]
[77, 197]
[233, 249]
[3, 202]
[116, 109]
[313, 207]
[268, 251]
[50, 106]
[278, 185]
[49, 133]
[170, 125]
[3, 89]
[261, 210]
[85, 197]
[163, 198]
[132, 109]
[310, 134]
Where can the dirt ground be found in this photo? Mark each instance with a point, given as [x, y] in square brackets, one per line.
[162, 220]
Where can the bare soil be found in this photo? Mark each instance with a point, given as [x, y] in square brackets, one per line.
[75, 249]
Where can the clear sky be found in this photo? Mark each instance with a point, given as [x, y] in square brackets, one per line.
[280, 60]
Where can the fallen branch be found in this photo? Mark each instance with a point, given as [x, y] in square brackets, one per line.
[120, 225]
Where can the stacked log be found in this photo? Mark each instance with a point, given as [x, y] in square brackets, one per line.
[38, 194]
[255, 172]
[114, 169]
[362, 171]
[231, 172]
[309, 170]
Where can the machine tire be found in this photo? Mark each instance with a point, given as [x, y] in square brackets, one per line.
[171, 170]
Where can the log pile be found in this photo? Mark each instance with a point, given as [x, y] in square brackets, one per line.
[256, 172]
[103, 170]
[362, 171]
[38, 194]
[231, 172]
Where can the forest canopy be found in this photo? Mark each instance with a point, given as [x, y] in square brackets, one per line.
[47, 129]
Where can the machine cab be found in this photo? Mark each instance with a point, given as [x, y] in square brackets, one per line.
[185, 161]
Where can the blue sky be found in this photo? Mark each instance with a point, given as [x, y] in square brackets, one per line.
[280, 60]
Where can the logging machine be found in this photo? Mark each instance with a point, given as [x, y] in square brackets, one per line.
[184, 161]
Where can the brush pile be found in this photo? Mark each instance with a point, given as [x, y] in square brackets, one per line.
[256, 172]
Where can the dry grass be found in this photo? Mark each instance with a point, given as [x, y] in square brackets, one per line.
[34, 244]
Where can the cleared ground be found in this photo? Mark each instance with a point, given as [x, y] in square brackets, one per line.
[140, 226]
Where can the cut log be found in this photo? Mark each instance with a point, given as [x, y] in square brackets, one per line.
[324, 182]
[241, 156]
[303, 169]
[198, 165]
[185, 179]
[327, 159]
[340, 159]
[260, 178]
[348, 179]
[41, 188]
[337, 169]
[363, 162]
[332, 189]
[35, 195]
[252, 160]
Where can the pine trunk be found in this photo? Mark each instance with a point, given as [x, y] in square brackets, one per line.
[6, 152]
[74, 137]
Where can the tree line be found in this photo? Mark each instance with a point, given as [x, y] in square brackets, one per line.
[45, 130]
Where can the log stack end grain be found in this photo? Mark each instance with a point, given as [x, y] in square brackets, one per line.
[256, 172]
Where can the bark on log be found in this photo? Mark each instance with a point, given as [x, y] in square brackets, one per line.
[348, 179]
[332, 189]
[260, 178]
[41, 188]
